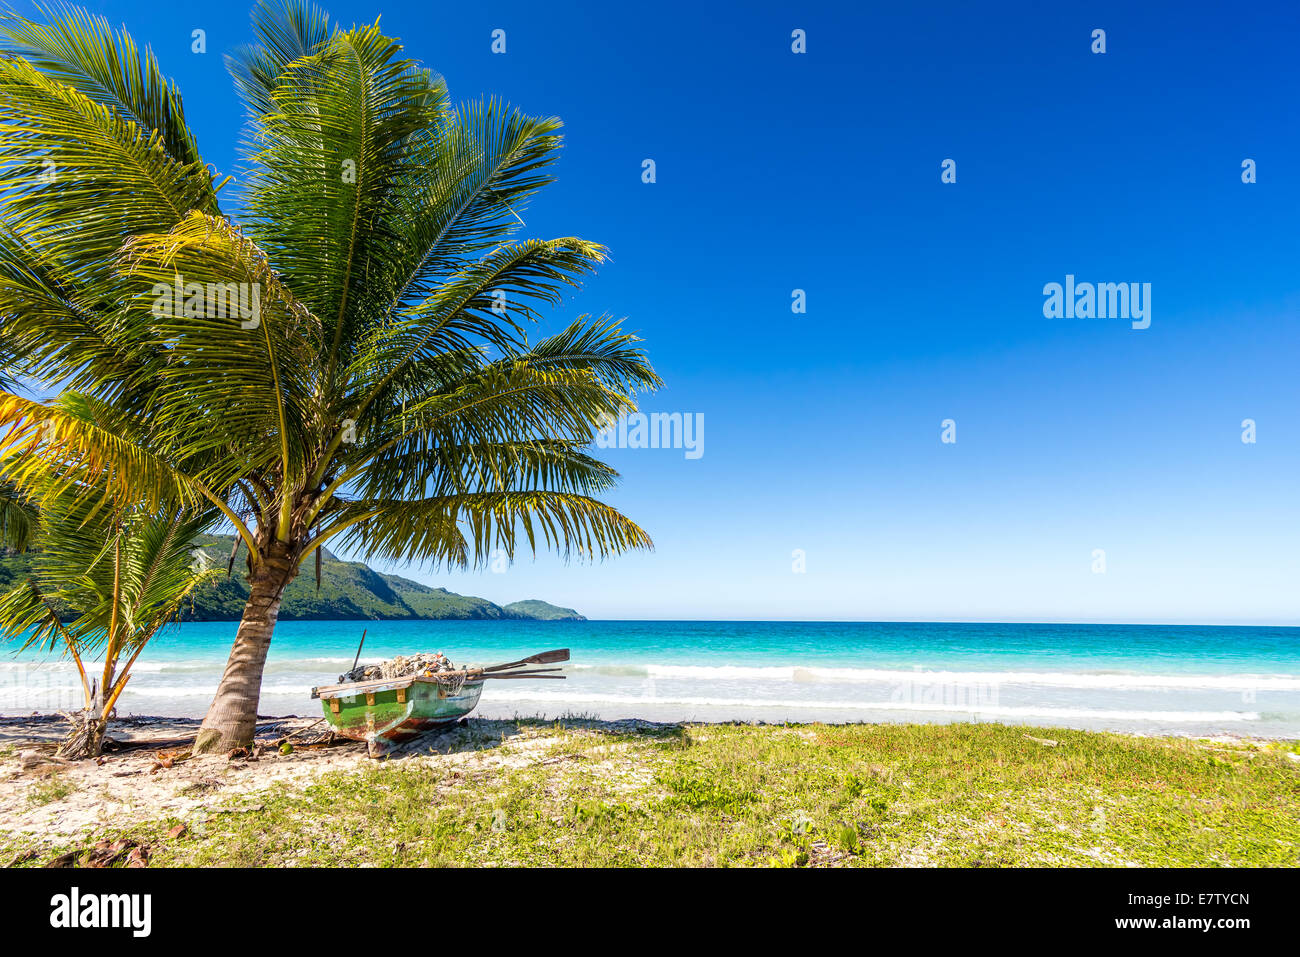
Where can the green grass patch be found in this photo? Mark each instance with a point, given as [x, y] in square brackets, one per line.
[51, 789]
[810, 795]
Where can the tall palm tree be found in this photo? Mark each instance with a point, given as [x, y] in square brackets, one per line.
[119, 573]
[342, 358]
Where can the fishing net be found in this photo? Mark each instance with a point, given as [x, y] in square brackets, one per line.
[402, 666]
[453, 684]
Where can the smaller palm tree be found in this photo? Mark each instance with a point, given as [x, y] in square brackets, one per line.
[117, 575]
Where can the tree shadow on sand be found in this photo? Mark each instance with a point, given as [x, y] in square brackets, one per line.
[135, 733]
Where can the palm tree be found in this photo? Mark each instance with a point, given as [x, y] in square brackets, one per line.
[344, 358]
[119, 573]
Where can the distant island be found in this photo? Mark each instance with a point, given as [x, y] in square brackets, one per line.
[349, 591]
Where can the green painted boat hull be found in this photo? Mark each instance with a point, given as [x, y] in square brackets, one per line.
[383, 721]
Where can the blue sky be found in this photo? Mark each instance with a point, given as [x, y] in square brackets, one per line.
[821, 171]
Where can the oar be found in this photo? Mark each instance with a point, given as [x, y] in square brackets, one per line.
[358, 657]
[545, 658]
[513, 674]
[529, 675]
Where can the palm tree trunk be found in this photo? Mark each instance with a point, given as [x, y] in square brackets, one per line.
[232, 718]
[86, 739]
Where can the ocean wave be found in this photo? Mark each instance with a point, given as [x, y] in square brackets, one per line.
[326, 668]
[57, 667]
[197, 666]
[1097, 680]
[189, 691]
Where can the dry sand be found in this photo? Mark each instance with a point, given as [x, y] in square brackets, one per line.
[45, 800]
[154, 779]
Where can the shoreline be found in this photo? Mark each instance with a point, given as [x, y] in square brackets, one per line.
[669, 715]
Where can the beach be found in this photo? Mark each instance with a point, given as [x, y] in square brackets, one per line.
[682, 743]
[581, 791]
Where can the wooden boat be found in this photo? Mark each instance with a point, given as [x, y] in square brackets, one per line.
[386, 712]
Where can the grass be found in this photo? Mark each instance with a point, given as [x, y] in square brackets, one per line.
[52, 788]
[972, 795]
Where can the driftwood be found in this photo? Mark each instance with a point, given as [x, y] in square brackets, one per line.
[152, 744]
[293, 734]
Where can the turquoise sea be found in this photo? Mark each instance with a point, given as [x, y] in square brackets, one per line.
[1148, 678]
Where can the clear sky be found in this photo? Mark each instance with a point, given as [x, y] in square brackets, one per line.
[821, 171]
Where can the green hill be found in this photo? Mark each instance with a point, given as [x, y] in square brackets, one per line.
[539, 610]
[348, 591]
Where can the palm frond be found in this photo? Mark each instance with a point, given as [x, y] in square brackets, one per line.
[90, 445]
[288, 30]
[230, 380]
[26, 613]
[467, 528]
[60, 329]
[468, 196]
[78, 178]
[80, 50]
[103, 576]
[17, 518]
[466, 311]
[327, 165]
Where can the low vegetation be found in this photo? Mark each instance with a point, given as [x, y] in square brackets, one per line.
[591, 793]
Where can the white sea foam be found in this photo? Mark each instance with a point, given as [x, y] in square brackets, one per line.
[190, 683]
[67, 667]
[802, 674]
[209, 690]
[1057, 679]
